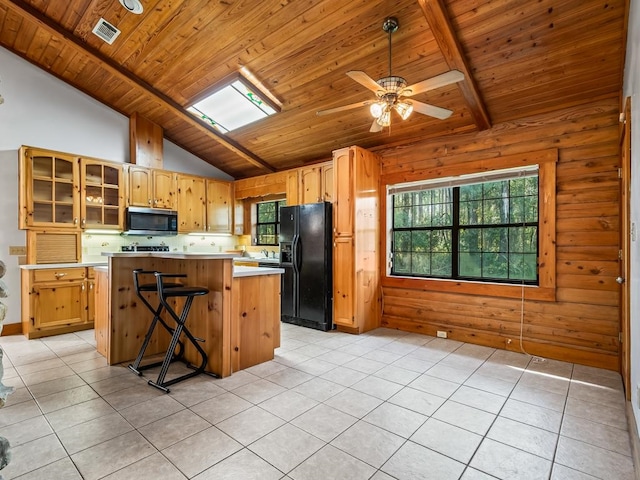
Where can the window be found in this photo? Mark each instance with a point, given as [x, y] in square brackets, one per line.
[268, 222]
[468, 228]
[233, 106]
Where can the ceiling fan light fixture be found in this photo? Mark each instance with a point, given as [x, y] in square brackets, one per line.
[404, 109]
[384, 120]
[377, 109]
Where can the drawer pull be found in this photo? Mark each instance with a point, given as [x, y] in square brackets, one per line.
[83, 287]
[60, 275]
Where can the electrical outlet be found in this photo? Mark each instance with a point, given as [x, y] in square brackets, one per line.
[442, 334]
[17, 250]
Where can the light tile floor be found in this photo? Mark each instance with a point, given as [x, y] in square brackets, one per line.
[382, 405]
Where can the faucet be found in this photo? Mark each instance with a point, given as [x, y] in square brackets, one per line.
[265, 252]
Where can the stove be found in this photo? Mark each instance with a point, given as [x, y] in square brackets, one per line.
[145, 248]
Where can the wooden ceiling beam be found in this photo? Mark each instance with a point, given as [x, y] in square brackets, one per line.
[440, 25]
[113, 68]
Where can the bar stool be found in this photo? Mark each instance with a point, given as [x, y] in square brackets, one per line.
[157, 311]
[189, 293]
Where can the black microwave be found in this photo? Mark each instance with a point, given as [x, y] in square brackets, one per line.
[151, 221]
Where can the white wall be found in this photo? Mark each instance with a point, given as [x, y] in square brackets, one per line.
[41, 111]
[632, 89]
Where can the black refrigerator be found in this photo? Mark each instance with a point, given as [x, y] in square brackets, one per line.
[306, 257]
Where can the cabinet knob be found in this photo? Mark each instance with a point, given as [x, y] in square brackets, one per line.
[75, 220]
[83, 287]
[149, 202]
[83, 222]
[91, 286]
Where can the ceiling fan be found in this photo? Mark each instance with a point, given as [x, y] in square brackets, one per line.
[392, 91]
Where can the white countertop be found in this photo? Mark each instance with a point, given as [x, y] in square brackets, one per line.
[62, 265]
[239, 271]
[178, 255]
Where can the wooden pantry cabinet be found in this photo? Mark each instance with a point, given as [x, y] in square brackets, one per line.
[57, 300]
[356, 236]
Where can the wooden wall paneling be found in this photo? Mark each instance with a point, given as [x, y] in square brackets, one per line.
[580, 322]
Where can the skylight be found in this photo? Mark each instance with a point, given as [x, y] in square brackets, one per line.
[232, 106]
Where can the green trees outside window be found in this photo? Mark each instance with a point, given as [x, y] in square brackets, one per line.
[268, 222]
[481, 231]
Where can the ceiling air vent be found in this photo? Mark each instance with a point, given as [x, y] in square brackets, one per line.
[106, 31]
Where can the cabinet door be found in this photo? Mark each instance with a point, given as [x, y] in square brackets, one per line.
[293, 187]
[343, 282]
[101, 198]
[191, 204]
[164, 188]
[310, 185]
[49, 195]
[220, 205]
[139, 194]
[343, 200]
[59, 303]
[90, 289]
[327, 182]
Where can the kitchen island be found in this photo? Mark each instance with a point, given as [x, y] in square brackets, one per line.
[239, 319]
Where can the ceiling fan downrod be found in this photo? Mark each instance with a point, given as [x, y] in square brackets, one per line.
[390, 26]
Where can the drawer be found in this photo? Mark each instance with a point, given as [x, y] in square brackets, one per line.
[58, 274]
[91, 273]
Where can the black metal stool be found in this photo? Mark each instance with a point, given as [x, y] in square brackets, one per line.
[157, 311]
[189, 292]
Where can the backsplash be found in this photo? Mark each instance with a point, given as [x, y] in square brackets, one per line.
[93, 244]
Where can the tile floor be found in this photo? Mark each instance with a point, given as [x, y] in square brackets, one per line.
[382, 405]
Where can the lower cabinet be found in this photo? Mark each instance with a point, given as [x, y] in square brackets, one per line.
[56, 300]
[255, 320]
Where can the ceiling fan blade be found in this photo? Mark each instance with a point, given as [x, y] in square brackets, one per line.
[438, 81]
[375, 126]
[431, 110]
[365, 80]
[344, 107]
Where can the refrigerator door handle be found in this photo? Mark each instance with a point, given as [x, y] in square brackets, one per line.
[295, 260]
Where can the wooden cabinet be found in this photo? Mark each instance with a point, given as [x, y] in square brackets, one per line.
[220, 206]
[192, 213]
[101, 199]
[55, 301]
[102, 312]
[152, 188]
[255, 320]
[48, 183]
[293, 187]
[90, 289]
[205, 205]
[356, 271]
[316, 183]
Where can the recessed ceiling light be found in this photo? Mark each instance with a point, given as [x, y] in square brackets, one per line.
[133, 6]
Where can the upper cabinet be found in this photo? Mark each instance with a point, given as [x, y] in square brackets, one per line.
[220, 206]
[191, 204]
[102, 193]
[316, 183]
[204, 205]
[152, 188]
[48, 189]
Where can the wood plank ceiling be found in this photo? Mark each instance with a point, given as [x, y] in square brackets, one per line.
[520, 57]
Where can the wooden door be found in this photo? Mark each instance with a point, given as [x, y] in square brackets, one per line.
[90, 289]
[343, 282]
[192, 216]
[49, 195]
[101, 199]
[625, 249]
[139, 192]
[59, 303]
[293, 187]
[310, 185]
[220, 205]
[327, 182]
[164, 188]
[343, 201]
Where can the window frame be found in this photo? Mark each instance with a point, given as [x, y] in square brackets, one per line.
[546, 288]
[276, 223]
[456, 226]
